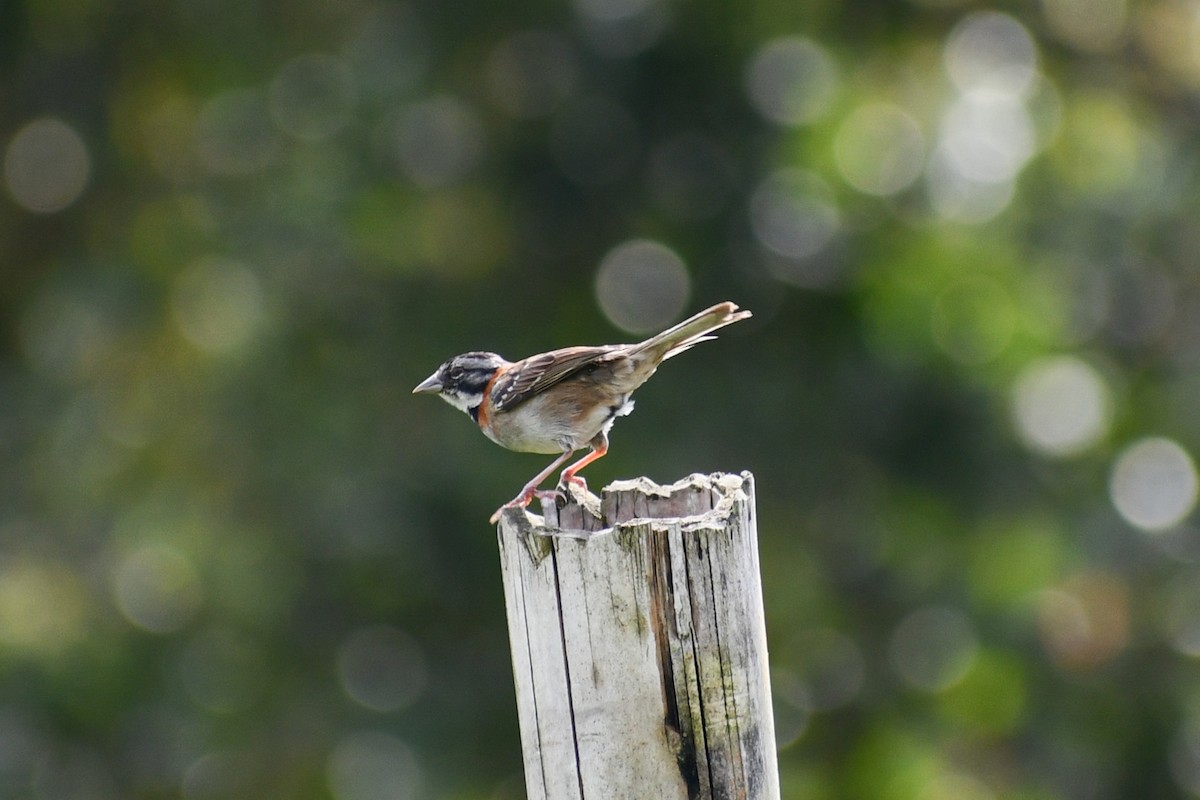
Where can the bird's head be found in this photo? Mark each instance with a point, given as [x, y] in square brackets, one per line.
[461, 381]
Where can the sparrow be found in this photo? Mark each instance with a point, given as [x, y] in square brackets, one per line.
[564, 400]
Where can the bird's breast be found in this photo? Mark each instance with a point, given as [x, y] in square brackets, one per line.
[550, 422]
[534, 426]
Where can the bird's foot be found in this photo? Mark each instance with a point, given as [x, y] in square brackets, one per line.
[574, 488]
[568, 482]
[520, 501]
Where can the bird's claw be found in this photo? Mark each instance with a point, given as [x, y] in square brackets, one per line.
[556, 495]
[573, 488]
[551, 496]
[520, 501]
[567, 482]
[569, 486]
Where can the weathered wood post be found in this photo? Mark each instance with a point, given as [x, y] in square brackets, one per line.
[638, 644]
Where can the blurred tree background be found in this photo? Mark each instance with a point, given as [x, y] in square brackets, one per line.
[239, 560]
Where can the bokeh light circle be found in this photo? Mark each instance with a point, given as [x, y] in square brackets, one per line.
[382, 668]
[1181, 615]
[791, 704]
[372, 765]
[959, 197]
[43, 606]
[439, 141]
[623, 28]
[66, 335]
[880, 149]
[642, 285]
[218, 303]
[933, 648]
[791, 81]
[993, 50]
[218, 774]
[793, 213]
[157, 588]
[1084, 621]
[973, 320]
[46, 166]
[833, 669]
[1061, 406]
[1153, 484]
[987, 138]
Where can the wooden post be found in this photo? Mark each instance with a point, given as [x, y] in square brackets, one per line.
[638, 643]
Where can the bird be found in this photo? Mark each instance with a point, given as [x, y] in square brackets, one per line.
[565, 400]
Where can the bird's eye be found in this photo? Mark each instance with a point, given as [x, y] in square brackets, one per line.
[456, 373]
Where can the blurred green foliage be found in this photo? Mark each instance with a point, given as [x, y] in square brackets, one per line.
[238, 560]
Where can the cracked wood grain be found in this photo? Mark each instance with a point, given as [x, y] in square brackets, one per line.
[639, 644]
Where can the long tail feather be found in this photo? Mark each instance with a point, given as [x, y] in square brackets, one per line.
[693, 330]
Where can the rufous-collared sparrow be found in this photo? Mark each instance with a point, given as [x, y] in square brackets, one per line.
[563, 400]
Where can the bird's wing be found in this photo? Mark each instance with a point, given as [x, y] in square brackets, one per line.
[537, 373]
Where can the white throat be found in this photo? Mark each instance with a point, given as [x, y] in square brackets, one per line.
[458, 401]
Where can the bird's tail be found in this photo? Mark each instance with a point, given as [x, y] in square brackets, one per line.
[692, 331]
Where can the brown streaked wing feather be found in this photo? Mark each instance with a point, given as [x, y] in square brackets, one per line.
[537, 373]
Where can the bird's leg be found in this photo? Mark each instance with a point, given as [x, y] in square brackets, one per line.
[599, 448]
[526, 496]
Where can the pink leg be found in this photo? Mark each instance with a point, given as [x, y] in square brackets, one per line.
[526, 496]
[568, 474]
